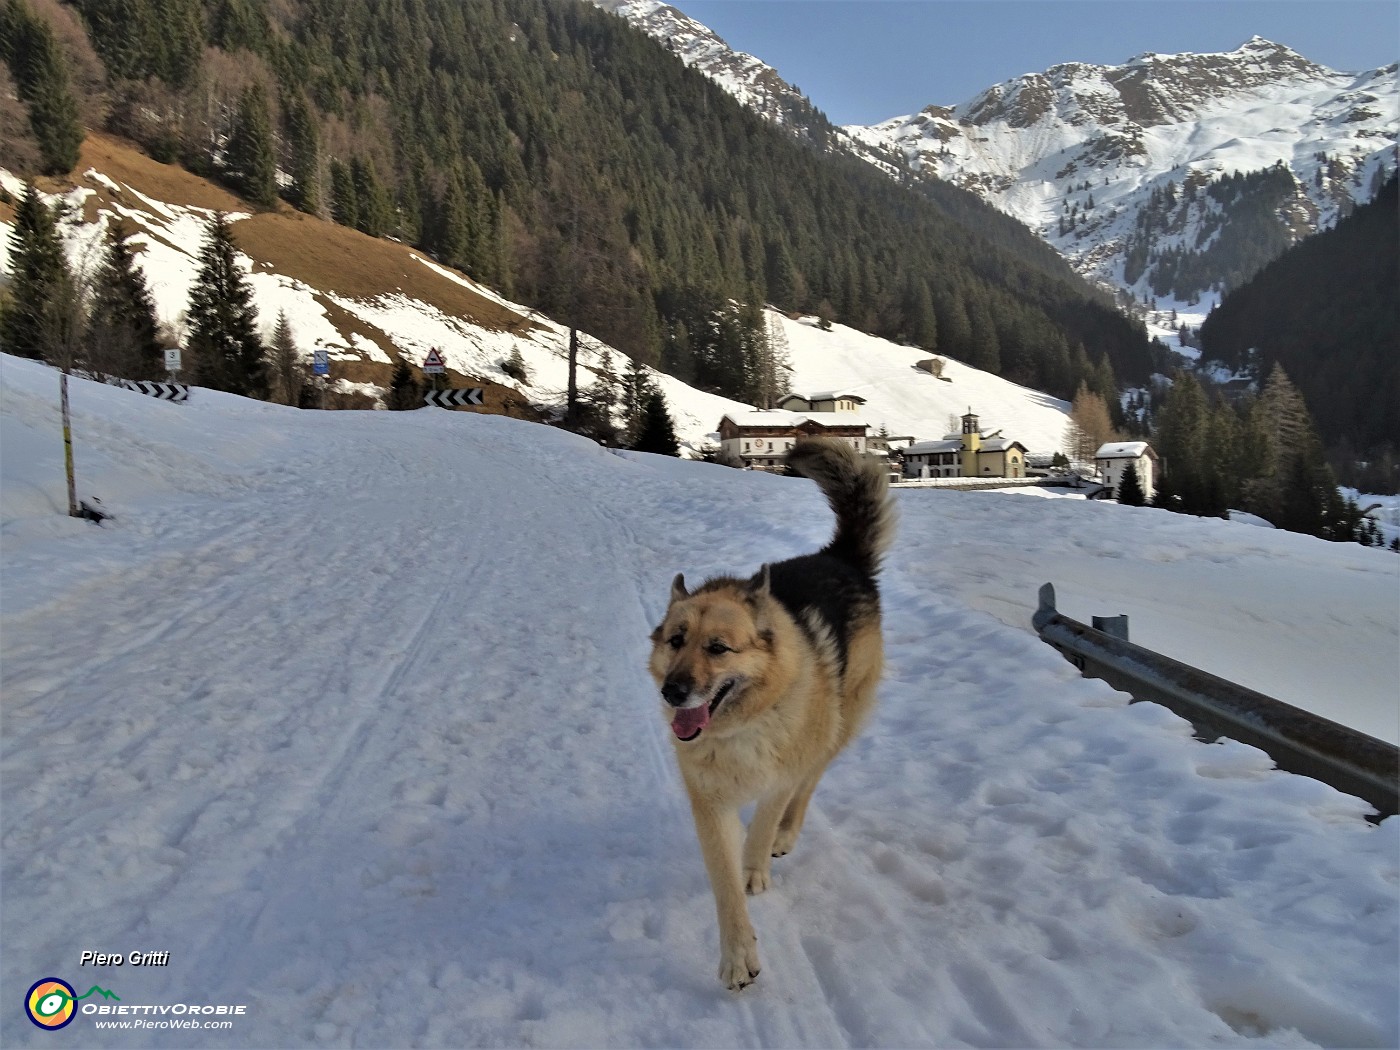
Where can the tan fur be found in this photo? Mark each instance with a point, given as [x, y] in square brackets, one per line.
[789, 713]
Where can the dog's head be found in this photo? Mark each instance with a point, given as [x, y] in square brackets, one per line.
[712, 645]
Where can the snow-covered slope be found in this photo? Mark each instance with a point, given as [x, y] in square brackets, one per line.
[348, 713]
[908, 401]
[1044, 146]
[409, 305]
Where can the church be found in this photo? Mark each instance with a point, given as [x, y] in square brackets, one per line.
[969, 454]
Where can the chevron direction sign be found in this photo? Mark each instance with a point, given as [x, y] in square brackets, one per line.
[449, 398]
[163, 391]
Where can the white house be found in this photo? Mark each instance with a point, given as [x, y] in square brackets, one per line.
[1112, 461]
[822, 401]
[761, 439]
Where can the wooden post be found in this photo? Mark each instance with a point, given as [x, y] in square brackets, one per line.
[571, 406]
[68, 444]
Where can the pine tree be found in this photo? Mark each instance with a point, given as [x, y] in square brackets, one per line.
[122, 332]
[252, 150]
[920, 322]
[375, 211]
[1130, 492]
[405, 394]
[636, 387]
[1292, 489]
[658, 431]
[40, 284]
[287, 373]
[29, 47]
[345, 205]
[223, 323]
[304, 163]
[1183, 439]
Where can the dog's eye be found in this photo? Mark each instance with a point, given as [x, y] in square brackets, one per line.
[676, 641]
[717, 649]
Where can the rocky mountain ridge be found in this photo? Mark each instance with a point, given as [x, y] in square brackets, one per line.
[1109, 163]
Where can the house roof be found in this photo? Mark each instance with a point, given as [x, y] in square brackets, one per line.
[1124, 450]
[1001, 444]
[928, 448]
[954, 444]
[781, 417]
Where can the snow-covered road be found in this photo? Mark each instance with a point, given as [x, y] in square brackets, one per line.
[348, 713]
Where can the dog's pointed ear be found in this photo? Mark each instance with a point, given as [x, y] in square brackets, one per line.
[761, 585]
[678, 590]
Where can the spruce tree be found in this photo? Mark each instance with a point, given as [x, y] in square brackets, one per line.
[40, 283]
[223, 323]
[404, 392]
[658, 431]
[122, 332]
[375, 210]
[304, 157]
[252, 150]
[1130, 492]
[1293, 489]
[29, 47]
[345, 205]
[286, 371]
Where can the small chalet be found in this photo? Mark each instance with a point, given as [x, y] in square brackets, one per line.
[970, 454]
[761, 439]
[822, 401]
[1112, 461]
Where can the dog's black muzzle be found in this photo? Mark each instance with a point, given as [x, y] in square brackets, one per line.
[676, 691]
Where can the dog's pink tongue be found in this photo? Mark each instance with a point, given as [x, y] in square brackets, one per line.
[690, 720]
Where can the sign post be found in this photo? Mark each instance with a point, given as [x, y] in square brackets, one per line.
[433, 365]
[321, 366]
[172, 362]
[68, 444]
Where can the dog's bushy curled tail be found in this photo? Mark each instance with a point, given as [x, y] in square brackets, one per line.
[857, 487]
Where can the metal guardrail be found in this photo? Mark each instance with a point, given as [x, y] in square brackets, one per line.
[1297, 740]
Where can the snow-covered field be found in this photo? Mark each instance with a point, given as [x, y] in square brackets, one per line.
[348, 713]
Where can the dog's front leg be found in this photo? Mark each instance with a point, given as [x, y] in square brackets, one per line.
[719, 829]
[758, 846]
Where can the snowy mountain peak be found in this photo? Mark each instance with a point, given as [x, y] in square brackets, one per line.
[1083, 153]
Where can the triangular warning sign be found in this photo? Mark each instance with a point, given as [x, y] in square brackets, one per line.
[434, 359]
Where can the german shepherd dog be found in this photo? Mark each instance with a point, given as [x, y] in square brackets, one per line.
[764, 681]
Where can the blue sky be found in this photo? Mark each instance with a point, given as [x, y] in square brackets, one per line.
[862, 61]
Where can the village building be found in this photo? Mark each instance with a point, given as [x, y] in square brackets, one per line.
[969, 454]
[761, 439]
[1112, 462]
[822, 401]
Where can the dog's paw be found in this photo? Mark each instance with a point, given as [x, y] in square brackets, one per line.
[738, 963]
[784, 841]
[756, 880]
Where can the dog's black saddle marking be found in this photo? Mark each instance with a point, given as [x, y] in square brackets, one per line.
[838, 593]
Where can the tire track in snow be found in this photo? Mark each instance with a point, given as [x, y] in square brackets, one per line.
[325, 803]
